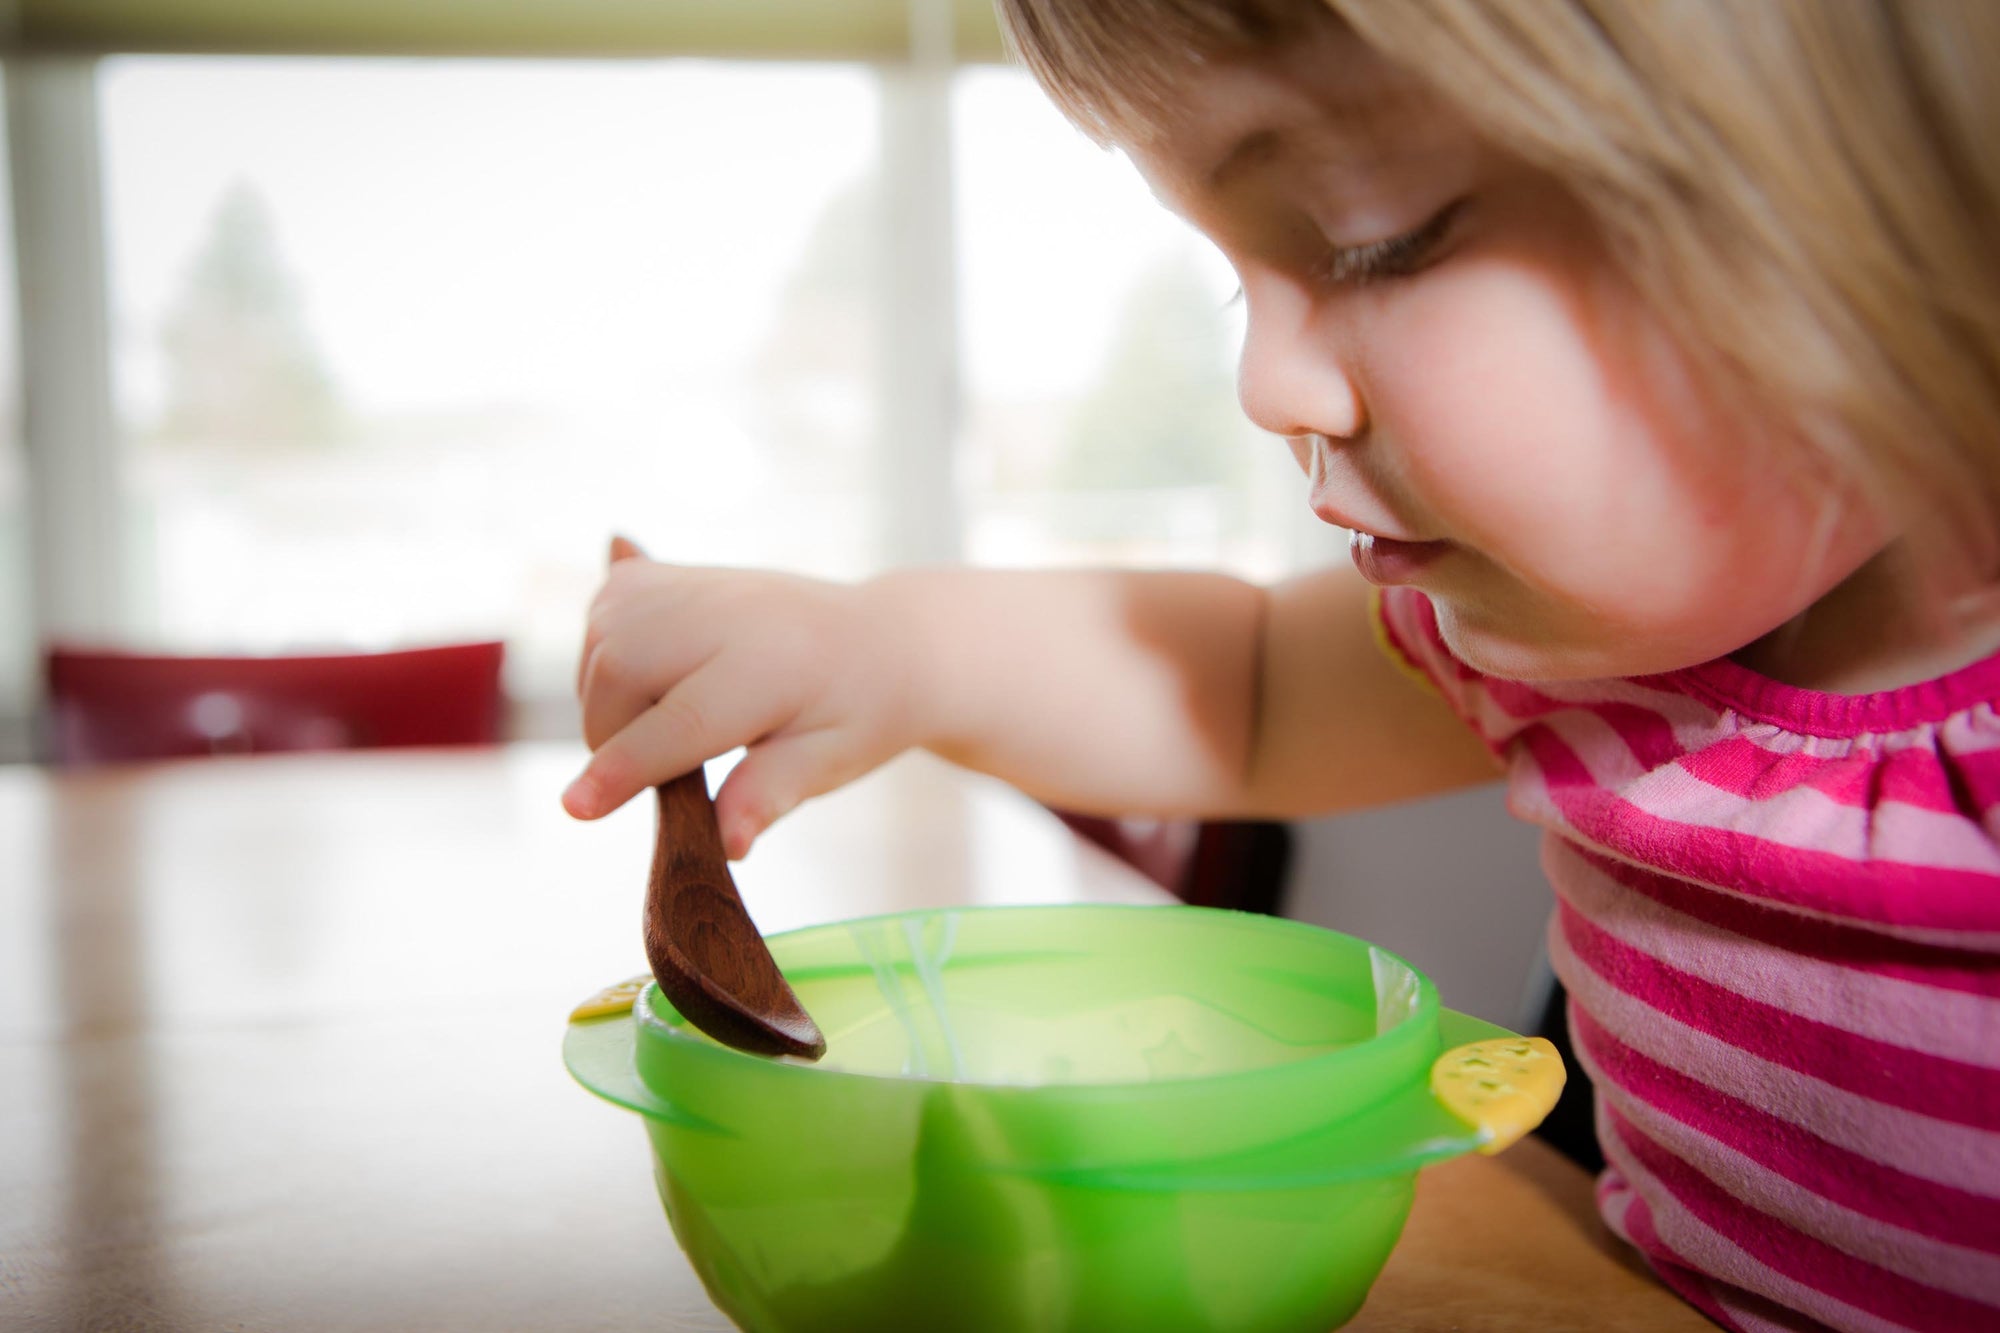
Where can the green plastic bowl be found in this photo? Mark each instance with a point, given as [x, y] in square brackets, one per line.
[1050, 1118]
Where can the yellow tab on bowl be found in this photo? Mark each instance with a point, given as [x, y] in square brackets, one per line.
[611, 1000]
[1504, 1086]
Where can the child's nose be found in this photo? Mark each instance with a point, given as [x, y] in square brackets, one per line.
[1294, 377]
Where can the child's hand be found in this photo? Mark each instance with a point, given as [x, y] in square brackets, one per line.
[682, 664]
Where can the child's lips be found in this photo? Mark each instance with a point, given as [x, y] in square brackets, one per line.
[1382, 560]
[1386, 562]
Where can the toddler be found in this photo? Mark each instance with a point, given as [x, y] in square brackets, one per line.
[1650, 351]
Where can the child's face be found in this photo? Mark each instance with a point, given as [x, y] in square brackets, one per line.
[1484, 393]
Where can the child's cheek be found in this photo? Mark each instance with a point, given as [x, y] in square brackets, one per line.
[1504, 416]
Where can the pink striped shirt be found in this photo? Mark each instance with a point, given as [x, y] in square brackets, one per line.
[1778, 920]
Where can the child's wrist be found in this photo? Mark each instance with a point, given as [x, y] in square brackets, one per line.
[899, 612]
[915, 619]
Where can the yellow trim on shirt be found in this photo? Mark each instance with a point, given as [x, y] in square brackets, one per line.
[1384, 640]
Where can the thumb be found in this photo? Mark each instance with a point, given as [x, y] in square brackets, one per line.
[624, 548]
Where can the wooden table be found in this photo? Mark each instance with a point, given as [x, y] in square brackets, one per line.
[239, 1088]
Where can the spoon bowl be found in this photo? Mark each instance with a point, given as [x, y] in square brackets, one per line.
[706, 953]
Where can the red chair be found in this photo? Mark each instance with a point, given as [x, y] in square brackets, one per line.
[107, 705]
[1232, 863]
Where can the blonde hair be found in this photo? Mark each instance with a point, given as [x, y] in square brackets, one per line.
[1807, 191]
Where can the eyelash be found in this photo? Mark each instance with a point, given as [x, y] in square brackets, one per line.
[1395, 257]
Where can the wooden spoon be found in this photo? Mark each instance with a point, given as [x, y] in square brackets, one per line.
[705, 951]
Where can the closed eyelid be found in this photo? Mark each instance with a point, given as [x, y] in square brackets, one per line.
[1298, 245]
[1391, 255]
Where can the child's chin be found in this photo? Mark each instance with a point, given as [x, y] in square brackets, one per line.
[1512, 647]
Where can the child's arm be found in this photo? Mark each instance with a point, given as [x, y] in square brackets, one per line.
[1136, 693]
[1182, 694]
[1346, 725]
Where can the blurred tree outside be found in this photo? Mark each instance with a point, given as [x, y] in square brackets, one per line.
[814, 374]
[241, 367]
[1163, 413]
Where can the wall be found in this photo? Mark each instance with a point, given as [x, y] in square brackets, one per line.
[1453, 884]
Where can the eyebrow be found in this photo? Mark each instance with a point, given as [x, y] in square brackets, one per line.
[1252, 150]
[1351, 124]
[1262, 147]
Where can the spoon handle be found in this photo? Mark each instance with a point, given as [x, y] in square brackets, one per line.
[687, 834]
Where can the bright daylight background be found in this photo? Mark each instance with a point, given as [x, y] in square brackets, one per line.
[398, 343]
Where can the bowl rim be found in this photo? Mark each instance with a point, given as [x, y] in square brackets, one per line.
[649, 1026]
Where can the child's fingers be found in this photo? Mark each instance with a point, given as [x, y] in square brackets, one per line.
[632, 660]
[592, 641]
[776, 775]
[622, 548]
[618, 685]
[701, 717]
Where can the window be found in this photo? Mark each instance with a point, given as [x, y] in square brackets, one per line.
[399, 343]
[1101, 341]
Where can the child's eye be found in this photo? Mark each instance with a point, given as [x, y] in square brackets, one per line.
[1395, 257]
